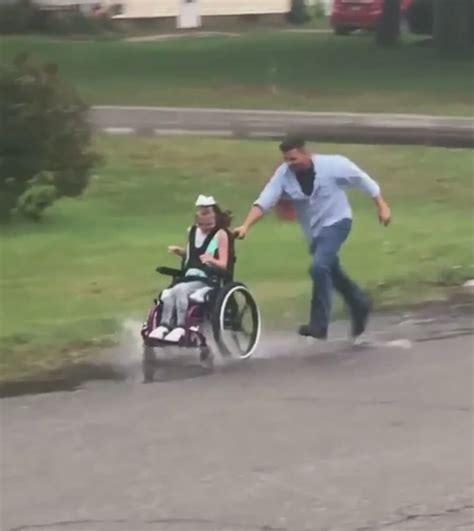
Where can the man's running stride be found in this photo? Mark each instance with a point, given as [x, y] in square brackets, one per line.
[315, 186]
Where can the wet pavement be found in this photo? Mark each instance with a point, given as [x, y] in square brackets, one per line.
[305, 437]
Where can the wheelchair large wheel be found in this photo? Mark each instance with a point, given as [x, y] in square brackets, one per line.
[236, 322]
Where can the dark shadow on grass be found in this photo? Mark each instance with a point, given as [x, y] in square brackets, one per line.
[66, 379]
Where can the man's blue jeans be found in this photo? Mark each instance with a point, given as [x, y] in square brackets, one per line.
[327, 273]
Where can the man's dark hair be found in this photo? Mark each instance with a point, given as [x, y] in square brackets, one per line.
[292, 142]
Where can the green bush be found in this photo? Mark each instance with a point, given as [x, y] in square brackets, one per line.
[319, 9]
[24, 16]
[35, 200]
[72, 23]
[298, 13]
[19, 16]
[45, 139]
[453, 28]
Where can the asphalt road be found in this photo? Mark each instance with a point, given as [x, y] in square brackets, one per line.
[330, 127]
[303, 437]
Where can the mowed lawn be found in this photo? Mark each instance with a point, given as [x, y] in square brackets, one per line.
[69, 282]
[261, 70]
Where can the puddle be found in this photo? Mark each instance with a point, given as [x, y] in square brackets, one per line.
[118, 363]
[125, 361]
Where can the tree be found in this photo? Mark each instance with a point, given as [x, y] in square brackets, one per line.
[45, 139]
[454, 27]
[388, 25]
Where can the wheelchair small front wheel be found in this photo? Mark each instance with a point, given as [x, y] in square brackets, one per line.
[206, 358]
[236, 322]
[148, 364]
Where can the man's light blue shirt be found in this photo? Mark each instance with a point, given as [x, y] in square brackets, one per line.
[328, 203]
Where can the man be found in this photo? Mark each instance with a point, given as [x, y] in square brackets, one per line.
[315, 184]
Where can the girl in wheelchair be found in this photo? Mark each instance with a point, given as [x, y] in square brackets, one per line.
[207, 250]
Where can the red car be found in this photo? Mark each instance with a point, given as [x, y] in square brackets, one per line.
[350, 15]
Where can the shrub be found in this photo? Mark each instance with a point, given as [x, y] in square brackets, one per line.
[35, 200]
[72, 23]
[45, 139]
[24, 16]
[298, 13]
[319, 9]
[18, 16]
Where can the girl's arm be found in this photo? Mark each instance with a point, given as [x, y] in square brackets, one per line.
[178, 251]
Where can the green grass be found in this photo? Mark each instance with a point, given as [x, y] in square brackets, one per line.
[68, 282]
[268, 70]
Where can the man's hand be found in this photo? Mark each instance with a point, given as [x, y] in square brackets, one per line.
[255, 214]
[385, 215]
[207, 259]
[240, 232]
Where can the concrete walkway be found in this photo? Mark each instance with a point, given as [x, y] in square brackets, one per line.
[337, 127]
[201, 33]
[180, 35]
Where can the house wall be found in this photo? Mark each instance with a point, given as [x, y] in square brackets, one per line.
[243, 7]
[65, 3]
[149, 8]
[170, 8]
[213, 14]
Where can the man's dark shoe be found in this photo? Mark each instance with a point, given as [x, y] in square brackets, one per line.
[309, 331]
[360, 318]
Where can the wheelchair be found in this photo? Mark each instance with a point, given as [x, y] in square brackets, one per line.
[226, 315]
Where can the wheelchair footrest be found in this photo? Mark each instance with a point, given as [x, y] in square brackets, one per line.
[184, 343]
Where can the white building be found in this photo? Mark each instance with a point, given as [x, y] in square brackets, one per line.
[189, 13]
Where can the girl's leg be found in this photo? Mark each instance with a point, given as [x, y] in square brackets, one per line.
[168, 305]
[184, 290]
[168, 302]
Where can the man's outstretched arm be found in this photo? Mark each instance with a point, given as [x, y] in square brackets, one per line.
[256, 214]
[267, 200]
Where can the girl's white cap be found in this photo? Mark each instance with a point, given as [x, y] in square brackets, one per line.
[205, 201]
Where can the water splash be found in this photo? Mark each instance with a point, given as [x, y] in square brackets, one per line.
[126, 355]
